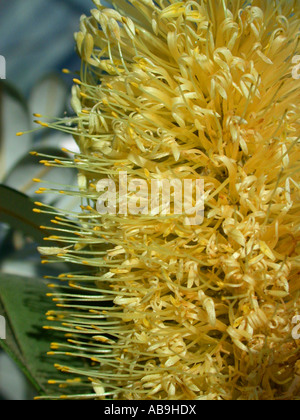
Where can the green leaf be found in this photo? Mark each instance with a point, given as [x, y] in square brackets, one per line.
[29, 167]
[23, 303]
[10, 345]
[16, 209]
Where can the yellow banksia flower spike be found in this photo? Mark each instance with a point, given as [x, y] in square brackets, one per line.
[158, 308]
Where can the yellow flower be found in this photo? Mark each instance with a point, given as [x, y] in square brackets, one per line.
[161, 309]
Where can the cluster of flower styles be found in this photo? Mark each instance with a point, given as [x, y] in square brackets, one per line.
[158, 309]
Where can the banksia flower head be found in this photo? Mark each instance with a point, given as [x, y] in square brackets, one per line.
[159, 308]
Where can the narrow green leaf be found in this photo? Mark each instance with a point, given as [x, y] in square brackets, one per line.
[16, 209]
[23, 303]
[28, 167]
[10, 345]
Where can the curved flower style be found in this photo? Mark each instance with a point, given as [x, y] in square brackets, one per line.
[184, 90]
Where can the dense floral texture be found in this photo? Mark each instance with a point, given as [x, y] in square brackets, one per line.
[162, 310]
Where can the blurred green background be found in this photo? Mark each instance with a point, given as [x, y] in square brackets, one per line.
[36, 39]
